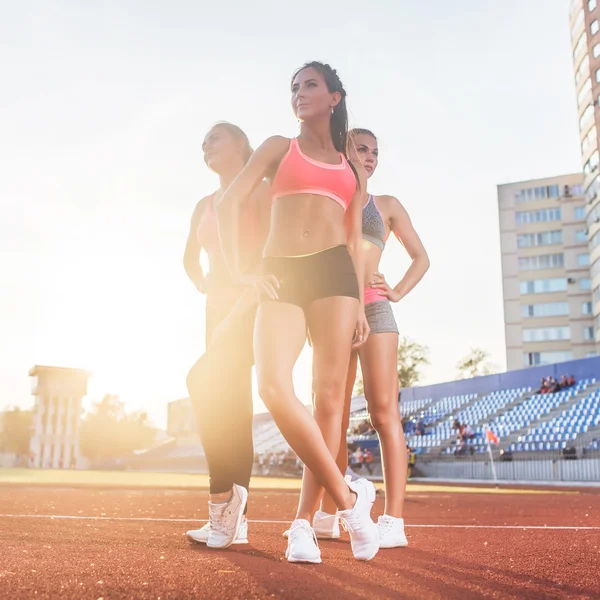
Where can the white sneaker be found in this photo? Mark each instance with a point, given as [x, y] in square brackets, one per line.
[391, 532]
[326, 526]
[364, 535]
[302, 543]
[200, 536]
[225, 519]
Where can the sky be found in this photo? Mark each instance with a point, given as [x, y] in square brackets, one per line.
[102, 113]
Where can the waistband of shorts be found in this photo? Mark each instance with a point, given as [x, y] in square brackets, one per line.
[340, 249]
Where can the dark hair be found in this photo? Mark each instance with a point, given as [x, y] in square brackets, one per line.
[361, 131]
[338, 123]
[238, 134]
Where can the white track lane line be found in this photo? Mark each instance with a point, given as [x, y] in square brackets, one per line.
[181, 520]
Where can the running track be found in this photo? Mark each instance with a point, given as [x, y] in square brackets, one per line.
[113, 543]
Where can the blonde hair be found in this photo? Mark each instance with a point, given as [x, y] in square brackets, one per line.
[238, 134]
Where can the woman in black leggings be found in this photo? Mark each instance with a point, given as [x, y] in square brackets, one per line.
[220, 383]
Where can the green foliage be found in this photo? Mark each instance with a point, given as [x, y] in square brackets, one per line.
[475, 364]
[108, 432]
[411, 357]
[16, 430]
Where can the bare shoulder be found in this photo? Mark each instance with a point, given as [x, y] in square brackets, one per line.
[390, 206]
[200, 207]
[275, 146]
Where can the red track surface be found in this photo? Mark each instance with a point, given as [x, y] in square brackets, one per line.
[85, 558]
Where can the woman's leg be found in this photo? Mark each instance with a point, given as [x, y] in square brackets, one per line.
[378, 358]
[279, 336]
[220, 386]
[327, 504]
[332, 322]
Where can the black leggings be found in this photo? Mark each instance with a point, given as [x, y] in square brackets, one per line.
[220, 387]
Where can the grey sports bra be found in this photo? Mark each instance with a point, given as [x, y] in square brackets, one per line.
[372, 224]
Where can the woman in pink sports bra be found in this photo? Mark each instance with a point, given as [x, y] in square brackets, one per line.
[313, 269]
[220, 383]
[382, 215]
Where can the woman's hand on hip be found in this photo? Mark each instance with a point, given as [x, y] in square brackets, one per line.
[378, 282]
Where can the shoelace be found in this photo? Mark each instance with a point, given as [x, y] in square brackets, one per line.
[385, 526]
[352, 523]
[215, 518]
[306, 529]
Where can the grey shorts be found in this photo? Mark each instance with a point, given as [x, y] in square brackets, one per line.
[380, 317]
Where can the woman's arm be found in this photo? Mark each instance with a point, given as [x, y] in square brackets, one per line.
[193, 245]
[353, 222]
[261, 164]
[403, 229]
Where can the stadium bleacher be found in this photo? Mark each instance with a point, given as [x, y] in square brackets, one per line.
[524, 422]
[505, 418]
[558, 432]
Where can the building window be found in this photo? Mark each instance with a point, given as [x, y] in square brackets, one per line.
[595, 50]
[544, 261]
[583, 260]
[594, 27]
[590, 139]
[592, 192]
[592, 164]
[533, 359]
[596, 294]
[578, 212]
[546, 238]
[581, 236]
[586, 117]
[586, 89]
[579, 19]
[595, 270]
[543, 286]
[584, 69]
[585, 284]
[547, 334]
[593, 216]
[587, 308]
[580, 47]
[595, 240]
[550, 309]
[538, 216]
[576, 190]
[588, 333]
[591, 5]
[537, 193]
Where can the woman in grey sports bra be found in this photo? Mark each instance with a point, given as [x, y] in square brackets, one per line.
[382, 215]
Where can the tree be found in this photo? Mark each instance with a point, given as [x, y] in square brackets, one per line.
[475, 364]
[108, 432]
[410, 357]
[15, 430]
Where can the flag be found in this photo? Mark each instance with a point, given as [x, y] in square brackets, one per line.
[492, 438]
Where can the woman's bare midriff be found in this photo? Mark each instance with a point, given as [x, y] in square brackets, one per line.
[304, 224]
[372, 256]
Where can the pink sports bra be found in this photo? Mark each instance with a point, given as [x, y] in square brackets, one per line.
[299, 174]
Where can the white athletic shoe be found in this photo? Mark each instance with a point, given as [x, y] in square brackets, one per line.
[225, 519]
[200, 536]
[364, 534]
[391, 532]
[302, 543]
[326, 526]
